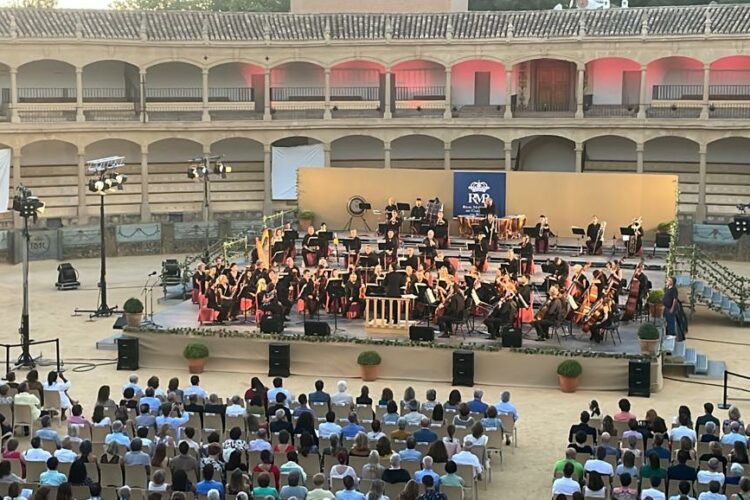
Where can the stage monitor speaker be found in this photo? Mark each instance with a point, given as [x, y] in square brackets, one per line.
[278, 359]
[662, 240]
[317, 329]
[463, 368]
[511, 337]
[421, 333]
[67, 277]
[269, 324]
[639, 378]
[127, 353]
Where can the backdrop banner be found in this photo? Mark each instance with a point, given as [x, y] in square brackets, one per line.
[4, 179]
[471, 188]
[284, 165]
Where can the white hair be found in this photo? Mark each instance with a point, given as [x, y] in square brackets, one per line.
[341, 385]
[213, 494]
[133, 378]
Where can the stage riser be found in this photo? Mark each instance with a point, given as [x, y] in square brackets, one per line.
[316, 359]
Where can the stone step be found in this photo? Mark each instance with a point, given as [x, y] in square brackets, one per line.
[691, 356]
[715, 371]
[701, 364]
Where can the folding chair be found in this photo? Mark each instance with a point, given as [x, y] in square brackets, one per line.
[22, 417]
[52, 403]
[136, 476]
[34, 468]
[509, 426]
[110, 475]
[452, 492]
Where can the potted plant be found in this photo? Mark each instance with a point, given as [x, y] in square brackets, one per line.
[655, 306]
[305, 219]
[133, 312]
[369, 365]
[568, 373]
[196, 355]
[648, 335]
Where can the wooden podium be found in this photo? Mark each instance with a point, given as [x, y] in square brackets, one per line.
[376, 312]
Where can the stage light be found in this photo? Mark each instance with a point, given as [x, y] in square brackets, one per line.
[192, 173]
[740, 226]
[201, 168]
[221, 169]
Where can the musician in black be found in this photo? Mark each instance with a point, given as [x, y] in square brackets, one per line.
[307, 293]
[610, 311]
[514, 264]
[480, 250]
[440, 229]
[390, 248]
[441, 261]
[310, 247]
[390, 209]
[353, 247]
[454, 306]
[233, 275]
[323, 241]
[219, 264]
[523, 291]
[353, 293]
[269, 302]
[409, 259]
[289, 239]
[393, 283]
[489, 228]
[199, 278]
[417, 215]
[550, 313]
[526, 252]
[579, 283]
[430, 248]
[560, 270]
[489, 207]
[502, 315]
[542, 235]
[282, 293]
[393, 224]
[593, 238]
[635, 244]
[222, 300]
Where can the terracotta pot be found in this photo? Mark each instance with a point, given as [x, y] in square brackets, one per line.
[134, 319]
[656, 310]
[369, 372]
[648, 346]
[304, 224]
[196, 365]
[568, 384]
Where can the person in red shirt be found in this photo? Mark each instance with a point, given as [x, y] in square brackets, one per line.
[624, 415]
[267, 465]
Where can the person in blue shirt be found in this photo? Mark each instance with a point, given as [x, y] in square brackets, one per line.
[657, 448]
[420, 475]
[349, 493]
[491, 421]
[734, 434]
[47, 432]
[176, 421]
[319, 396]
[208, 482]
[476, 405]
[352, 428]
[52, 477]
[118, 435]
[424, 434]
[150, 400]
[410, 453]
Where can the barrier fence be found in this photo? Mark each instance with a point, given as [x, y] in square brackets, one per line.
[726, 397]
[9, 347]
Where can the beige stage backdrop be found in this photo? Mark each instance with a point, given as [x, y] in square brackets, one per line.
[568, 199]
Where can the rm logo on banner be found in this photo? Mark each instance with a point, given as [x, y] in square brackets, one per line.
[471, 189]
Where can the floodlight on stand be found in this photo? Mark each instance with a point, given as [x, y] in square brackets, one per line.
[201, 169]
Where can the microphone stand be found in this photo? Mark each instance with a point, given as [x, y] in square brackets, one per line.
[148, 300]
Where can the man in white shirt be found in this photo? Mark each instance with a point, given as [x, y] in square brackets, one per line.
[342, 397]
[713, 492]
[235, 409]
[683, 430]
[65, 455]
[36, 453]
[566, 485]
[653, 492]
[683, 488]
[712, 474]
[261, 442]
[598, 464]
[329, 427]
[133, 383]
[278, 388]
[194, 388]
[466, 457]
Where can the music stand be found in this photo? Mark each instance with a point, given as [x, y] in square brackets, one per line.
[626, 232]
[530, 231]
[579, 233]
[335, 290]
[402, 207]
[382, 228]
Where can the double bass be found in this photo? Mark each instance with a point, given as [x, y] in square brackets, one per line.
[631, 306]
[589, 299]
[596, 314]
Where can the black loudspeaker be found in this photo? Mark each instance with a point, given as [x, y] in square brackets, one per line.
[662, 240]
[67, 277]
[639, 378]
[127, 353]
[463, 368]
[317, 328]
[269, 324]
[421, 333]
[511, 337]
[278, 359]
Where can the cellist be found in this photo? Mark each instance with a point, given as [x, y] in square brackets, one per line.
[609, 312]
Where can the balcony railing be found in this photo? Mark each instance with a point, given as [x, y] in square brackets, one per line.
[231, 94]
[30, 94]
[297, 93]
[186, 94]
[431, 93]
[610, 110]
[355, 93]
[695, 92]
[729, 110]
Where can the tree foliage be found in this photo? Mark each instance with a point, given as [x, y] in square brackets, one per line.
[549, 4]
[30, 4]
[216, 5]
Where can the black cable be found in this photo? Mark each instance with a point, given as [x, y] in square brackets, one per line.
[80, 366]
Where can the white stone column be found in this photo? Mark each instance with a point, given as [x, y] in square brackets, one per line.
[642, 94]
[701, 211]
[327, 95]
[267, 200]
[508, 92]
[448, 105]
[327, 154]
[145, 207]
[447, 156]
[706, 90]
[387, 112]
[83, 216]
[386, 154]
[639, 157]
[142, 86]
[579, 157]
[579, 90]
[267, 92]
[79, 96]
[14, 95]
[508, 156]
[204, 95]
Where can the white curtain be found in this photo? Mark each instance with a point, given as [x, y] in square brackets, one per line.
[284, 165]
[4, 179]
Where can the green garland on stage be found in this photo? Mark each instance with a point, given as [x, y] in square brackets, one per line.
[338, 339]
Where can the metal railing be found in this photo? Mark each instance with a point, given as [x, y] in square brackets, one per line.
[297, 93]
[8, 348]
[694, 92]
[682, 110]
[724, 405]
[30, 94]
[355, 93]
[107, 94]
[434, 92]
[185, 94]
[731, 111]
[231, 94]
[610, 110]
[547, 107]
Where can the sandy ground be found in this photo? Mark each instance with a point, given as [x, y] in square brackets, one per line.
[545, 414]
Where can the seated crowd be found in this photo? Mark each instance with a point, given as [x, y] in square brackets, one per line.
[622, 457]
[179, 443]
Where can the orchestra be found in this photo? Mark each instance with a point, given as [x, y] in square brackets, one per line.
[422, 269]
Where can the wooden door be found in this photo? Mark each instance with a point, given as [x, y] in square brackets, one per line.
[482, 88]
[553, 85]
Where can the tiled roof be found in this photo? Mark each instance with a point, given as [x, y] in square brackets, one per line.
[240, 26]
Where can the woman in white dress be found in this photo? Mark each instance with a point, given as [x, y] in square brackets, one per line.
[57, 382]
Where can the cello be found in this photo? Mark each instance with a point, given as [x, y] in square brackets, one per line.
[631, 306]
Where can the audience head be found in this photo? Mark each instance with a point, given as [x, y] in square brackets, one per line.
[626, 479]
[624, 405]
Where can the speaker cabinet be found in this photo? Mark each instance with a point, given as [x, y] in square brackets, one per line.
[269, 324]
[662, 240]
[278, 359]
[127, 353]
[511, 337]
[463, 368]
[421, 333]
[639, 378]
[317, 329]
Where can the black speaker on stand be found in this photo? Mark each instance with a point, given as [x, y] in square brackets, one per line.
[463, 368]
[278, 359]
[511, 337]
[639, 378]
[127, 353]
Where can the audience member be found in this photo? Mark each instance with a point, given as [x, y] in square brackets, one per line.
[625, 491]
[319, 492]
[430, 491]
[681, 471]
[566, 485]
[351, 429]
[653, 490]
[582, 426]
[708, 416]
[52, 477]
[293, 489]
[395, 474]
[624, 414]
[713, 493]
[372, 469]
[342, 397]
[570, 458]
[349, 492]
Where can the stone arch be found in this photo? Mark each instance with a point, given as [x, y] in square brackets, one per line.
[244, 187]
[612, 86]
[477, 151]
[49, 167]
[671, 154]
[358, 150]
[111, 80]
[609, 153]
[544, 153]
[478, 81]
[169, 79]
[50, 80]
[170, 190]
[417, 151]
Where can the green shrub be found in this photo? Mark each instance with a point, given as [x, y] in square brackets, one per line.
[133, 306]
[570, 368]
[306, 215]
[195, 351]
[648, 331]
[369, 358]
[655, 296]
[664, 227]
